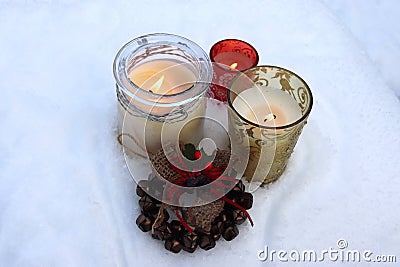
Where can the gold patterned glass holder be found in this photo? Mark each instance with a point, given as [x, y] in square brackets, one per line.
[270, 147]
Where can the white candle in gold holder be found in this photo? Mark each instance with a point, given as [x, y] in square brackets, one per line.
[268, 108]
[161, 80]
[281, 108]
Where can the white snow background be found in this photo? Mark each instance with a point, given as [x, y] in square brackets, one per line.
[66, 197]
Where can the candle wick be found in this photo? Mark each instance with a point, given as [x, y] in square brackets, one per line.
[270, 117]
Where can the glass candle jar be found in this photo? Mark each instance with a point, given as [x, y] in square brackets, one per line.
[161, 80]
[269, 107]
[229, 57]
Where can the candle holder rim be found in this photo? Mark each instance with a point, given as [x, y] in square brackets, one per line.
[232, 39]
[303, 117]
[118, 61]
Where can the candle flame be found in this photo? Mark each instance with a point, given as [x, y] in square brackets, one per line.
[156, 86]
[234, 66]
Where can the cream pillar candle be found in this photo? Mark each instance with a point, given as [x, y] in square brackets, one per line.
[269, 107]
[164, 78]
[161, 80]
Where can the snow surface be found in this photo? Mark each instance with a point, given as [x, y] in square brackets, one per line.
[375, 25]
[66, 198]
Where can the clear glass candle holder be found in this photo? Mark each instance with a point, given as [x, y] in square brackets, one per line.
[285, 96]
[147, 116]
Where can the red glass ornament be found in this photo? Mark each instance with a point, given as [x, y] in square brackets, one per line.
[229, 57]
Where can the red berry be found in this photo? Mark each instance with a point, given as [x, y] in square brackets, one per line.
[197, 155]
